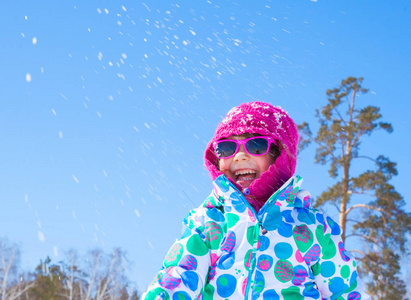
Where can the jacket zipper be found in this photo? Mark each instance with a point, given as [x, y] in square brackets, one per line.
[252, 259]
[260, 225]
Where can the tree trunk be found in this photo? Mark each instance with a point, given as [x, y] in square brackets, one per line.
[345, 191]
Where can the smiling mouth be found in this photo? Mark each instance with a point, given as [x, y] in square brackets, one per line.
[245, 175]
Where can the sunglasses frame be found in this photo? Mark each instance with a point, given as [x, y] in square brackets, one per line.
[238, 143]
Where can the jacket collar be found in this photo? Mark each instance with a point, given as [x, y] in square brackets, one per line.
[284, 197]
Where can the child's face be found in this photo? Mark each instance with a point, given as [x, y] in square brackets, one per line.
[244, 168]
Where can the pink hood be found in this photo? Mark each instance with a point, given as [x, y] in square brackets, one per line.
[265, 119]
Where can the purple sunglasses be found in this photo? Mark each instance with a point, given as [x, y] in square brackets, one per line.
[256, 146]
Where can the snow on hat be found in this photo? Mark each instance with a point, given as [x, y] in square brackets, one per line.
[265, 119]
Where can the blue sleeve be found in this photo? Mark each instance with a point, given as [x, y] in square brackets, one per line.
[336, 270]
[186, 265]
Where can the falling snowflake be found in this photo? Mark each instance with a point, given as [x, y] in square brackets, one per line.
[41, 236]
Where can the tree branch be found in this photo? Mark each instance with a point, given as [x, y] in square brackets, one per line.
[352, 103]
[373, 240]
[367, 157]
[361, 205]
[337, 207]
[352, 220]
[341, 118]
[360, 252]
[318, 143]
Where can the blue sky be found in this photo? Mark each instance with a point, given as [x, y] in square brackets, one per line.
[106, 107]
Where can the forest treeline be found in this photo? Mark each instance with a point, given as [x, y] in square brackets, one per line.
[94, 276]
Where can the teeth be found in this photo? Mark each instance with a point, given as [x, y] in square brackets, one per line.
[244, 172]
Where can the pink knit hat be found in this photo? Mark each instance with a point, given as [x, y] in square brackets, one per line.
[265, 119]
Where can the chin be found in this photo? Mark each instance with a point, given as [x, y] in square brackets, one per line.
[245, 184]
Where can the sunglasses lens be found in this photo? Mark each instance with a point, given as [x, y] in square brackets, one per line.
[225, 149]
[257, 146]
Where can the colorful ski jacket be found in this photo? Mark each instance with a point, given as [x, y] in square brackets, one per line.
[286, 251]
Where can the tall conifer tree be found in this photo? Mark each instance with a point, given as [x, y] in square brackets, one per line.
[370, 208]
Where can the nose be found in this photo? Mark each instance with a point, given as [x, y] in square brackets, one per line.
[241, 155]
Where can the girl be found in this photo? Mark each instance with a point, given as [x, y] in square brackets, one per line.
[255, 236]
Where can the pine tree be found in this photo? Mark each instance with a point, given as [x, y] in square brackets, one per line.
[376, 209]
[48, 282]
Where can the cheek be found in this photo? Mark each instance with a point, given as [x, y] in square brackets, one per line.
[265, 162]
[224, 165]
